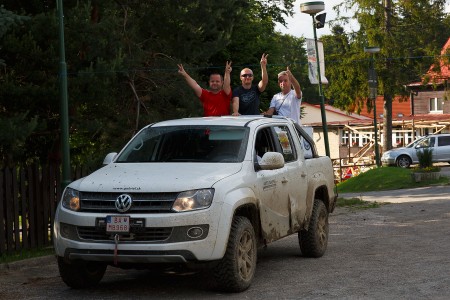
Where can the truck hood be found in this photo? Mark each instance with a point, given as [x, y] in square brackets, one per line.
[155, 177]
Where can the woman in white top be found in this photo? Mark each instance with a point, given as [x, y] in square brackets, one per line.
[287, 103]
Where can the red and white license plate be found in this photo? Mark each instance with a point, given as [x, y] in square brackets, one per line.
[119, 224]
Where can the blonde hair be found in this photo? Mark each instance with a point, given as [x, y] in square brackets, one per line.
[282, 73]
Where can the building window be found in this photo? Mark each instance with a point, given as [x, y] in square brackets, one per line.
[435, 105]
[355, 139]
[408, 138]
[344, 137]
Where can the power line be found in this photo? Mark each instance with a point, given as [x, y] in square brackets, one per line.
[198, 68]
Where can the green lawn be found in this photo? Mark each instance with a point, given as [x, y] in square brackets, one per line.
[384, 178]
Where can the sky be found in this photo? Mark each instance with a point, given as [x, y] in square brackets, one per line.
[301, 24]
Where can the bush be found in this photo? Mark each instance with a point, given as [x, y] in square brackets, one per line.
[425, 157]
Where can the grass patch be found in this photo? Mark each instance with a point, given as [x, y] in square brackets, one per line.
[356, 203]
[25, 254]
[384, 178]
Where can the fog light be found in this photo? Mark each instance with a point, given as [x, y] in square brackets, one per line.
[65, 230]
[195, 232]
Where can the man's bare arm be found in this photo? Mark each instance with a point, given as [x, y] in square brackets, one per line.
[226, 78]
[191, 82]
[264, 77]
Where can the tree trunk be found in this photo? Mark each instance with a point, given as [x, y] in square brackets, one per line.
[387, 121]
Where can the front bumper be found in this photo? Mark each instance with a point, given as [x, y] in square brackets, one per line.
[388, 161]
[164, 238]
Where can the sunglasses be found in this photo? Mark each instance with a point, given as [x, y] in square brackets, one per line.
[247, 75]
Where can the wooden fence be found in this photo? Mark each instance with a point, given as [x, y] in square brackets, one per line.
[28, 199]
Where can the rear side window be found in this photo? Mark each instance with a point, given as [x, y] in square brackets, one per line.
[284, 138]
[444, 141]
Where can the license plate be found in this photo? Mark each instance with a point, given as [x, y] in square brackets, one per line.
[118, 224]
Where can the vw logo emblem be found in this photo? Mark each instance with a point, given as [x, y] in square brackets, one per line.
[123, 203]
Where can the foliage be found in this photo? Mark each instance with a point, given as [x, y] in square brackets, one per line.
[408, 33]
[384, 178]
[425, 157]
[121, 60]
[426, 170]
[15, 130]
[8, 19]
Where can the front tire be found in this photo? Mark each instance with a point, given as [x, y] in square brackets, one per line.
[81, 274]
[235, 271]
[313, 242]
[403, 161]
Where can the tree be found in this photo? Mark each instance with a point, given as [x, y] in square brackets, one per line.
[121, 58]
[403, 30]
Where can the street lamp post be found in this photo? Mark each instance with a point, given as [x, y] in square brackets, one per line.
[64, 111]
[373, 84]
[312, 8]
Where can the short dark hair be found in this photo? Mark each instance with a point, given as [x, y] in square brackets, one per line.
[216, 73]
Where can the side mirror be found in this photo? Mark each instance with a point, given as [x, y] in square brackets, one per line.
[109, 158]
[272, 161]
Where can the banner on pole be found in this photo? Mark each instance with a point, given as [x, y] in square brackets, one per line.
[312, 62]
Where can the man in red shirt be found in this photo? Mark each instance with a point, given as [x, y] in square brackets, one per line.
[216, 101]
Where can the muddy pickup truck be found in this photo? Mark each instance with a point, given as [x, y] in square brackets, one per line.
[197, 192]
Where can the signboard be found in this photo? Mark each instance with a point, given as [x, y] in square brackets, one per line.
[312, 62]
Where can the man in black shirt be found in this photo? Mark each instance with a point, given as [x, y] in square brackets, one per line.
[246, 97]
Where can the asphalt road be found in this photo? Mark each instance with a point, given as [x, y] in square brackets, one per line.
[397, 251]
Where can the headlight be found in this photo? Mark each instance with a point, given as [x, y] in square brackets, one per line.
[193, 200]
[71, 199]
[387, 154]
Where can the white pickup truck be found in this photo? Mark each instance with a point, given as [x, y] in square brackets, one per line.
[198, 192]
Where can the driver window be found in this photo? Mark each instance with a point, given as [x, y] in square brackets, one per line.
[263, 143]
[429, 142]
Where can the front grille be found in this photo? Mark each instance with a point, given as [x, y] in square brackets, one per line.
[142, 202]
[135, 235]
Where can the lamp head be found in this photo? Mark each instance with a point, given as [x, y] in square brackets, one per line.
[312, 8]
[319, 21]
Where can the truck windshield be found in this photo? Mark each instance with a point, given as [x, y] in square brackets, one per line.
[187, 144]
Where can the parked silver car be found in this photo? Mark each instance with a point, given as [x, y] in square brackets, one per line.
[406, 156]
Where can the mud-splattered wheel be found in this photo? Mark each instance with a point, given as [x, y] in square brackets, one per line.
[236, 270]
[313, 242]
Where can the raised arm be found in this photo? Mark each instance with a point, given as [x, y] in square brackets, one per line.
[191, 82]
[264, 77]
[295, 84]
[226, 78]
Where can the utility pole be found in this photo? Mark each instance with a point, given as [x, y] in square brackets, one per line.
[64, 111]
[312, 8]
[373, 85]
